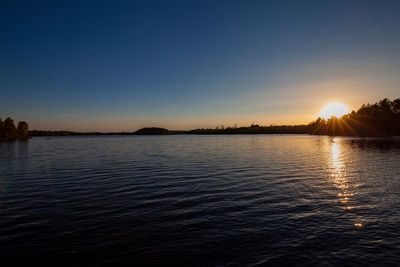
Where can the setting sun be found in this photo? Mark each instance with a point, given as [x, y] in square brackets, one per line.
[333, 109]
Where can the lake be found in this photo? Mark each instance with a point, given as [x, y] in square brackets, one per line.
[200, 200]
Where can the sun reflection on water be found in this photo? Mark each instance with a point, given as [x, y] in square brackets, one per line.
[341, 180]
[338, 174]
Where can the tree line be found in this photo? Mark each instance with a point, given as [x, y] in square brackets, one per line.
[8, 131]
[143, 131]
[379, 119]
[254, 129]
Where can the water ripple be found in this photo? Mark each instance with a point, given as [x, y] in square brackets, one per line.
[200, 200]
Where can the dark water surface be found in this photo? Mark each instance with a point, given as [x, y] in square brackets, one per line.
[200, 200]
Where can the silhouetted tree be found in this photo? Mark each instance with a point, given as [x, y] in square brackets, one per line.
[10, 132]
[396, 107]
[1, 130]
[22, 130]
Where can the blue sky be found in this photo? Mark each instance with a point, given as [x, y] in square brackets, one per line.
[122, 65]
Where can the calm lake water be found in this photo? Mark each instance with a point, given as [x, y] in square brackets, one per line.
[200, 200]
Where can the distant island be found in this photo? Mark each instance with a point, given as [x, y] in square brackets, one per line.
[142, 131]
[379, 119]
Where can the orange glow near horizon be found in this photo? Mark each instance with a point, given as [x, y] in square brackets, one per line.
[334, 109]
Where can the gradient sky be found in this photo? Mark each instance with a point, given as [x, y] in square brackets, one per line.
[122, 65]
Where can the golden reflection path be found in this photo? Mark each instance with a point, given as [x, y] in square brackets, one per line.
[340, 178]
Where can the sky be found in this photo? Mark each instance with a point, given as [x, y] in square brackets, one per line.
[123, 65]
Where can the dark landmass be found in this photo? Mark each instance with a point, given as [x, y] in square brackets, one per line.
[152, 131]
[156, 131]
[143, 131]
[255, 129]
[379, 119]
[71, 133]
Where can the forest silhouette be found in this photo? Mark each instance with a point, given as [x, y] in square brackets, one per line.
[8, 131]
[379, 119]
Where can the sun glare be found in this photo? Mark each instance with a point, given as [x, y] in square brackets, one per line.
[333, 109]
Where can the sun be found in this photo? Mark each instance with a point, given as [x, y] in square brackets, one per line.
[333, 109]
